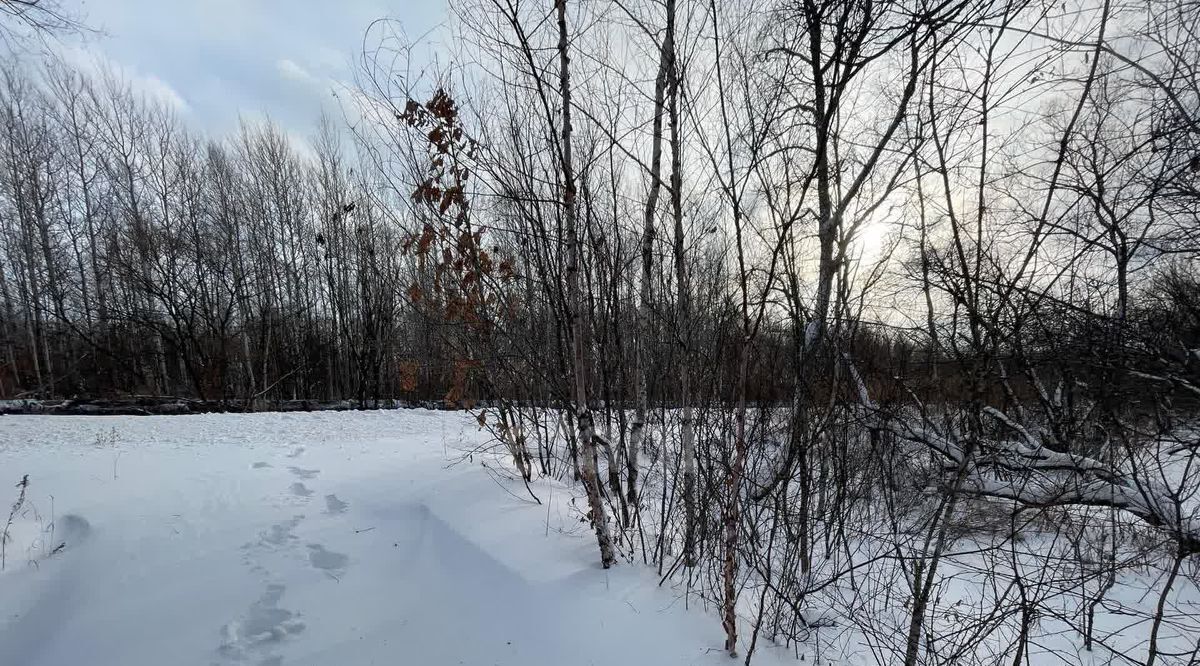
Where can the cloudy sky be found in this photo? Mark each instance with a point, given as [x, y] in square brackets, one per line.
[216, 59]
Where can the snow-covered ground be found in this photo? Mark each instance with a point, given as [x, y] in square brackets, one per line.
[310, 538]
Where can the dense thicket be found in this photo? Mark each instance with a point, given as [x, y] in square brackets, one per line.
[829, 305]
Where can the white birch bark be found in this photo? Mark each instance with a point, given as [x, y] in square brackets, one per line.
[583, 415]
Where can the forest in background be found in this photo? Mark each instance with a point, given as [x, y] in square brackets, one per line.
[141, 257]
[821, 301]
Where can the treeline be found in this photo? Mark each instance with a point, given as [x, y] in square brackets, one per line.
[139, 257]
[804, 294]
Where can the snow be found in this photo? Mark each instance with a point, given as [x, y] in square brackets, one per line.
[311, 538]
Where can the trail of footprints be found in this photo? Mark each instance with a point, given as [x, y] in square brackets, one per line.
[255, 635]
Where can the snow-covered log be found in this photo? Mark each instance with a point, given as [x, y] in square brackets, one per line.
[1027, 472]
[1024, 470]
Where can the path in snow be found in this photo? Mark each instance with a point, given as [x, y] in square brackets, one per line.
[327, 538]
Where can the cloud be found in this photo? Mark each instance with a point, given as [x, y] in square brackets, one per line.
[290, 70]
[158, 89]
[331, 59]
[97, 64]
[221, 60]
[260, 121]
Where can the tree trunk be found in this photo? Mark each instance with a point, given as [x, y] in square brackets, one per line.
[583, 415]
[687, 437]
[638, 435]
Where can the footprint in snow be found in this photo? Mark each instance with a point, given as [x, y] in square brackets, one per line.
[73, 528]
[264, 625]
[326, 560]
[304, 473]
[69, 531]
[300, 490]
[334, 505]
[280, 533]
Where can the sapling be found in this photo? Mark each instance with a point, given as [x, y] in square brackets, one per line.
[108, 440]
[16, 508]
